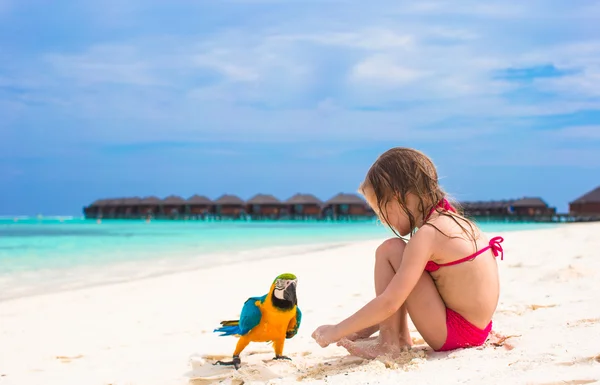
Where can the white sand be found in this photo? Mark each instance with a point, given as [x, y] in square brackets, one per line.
[154, 331]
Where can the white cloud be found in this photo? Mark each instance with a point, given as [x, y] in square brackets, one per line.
[580, 85]
[548, 157]
[235, 72]
[579, 132]
[367, 39]
[384, 71]
[401, 70]
[104, 64]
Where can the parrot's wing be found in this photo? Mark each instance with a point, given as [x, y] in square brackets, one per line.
[294, 325]
[251, 314]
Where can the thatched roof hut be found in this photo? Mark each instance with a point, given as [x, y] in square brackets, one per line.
[101, 202]
[150, 201]
[128, 201]
[264, 199]
[199, 200]
[529, 202]
[587, 204]
[95, 208]
[173, 200]
[229, 206]
[486, 205]
[346, 205]
[304, 199]
[112, 202]
[229, 200]
[589, 197]
[264, 206]
[531, 206]
[304, 205]
[346, 199]
[527, 206]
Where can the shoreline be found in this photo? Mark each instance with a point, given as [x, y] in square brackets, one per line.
[177, 263]
[190, 264]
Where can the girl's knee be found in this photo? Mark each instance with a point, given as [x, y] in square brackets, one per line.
[390, 248]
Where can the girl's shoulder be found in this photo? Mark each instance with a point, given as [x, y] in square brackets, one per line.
[452, 226]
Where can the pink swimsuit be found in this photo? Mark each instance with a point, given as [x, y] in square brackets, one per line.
[462, 333]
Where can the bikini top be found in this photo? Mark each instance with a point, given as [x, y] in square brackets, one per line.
[494, 244]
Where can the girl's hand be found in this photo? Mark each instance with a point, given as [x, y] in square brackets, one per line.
[325, 335]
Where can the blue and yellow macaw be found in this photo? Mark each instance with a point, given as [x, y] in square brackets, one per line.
[273, 317]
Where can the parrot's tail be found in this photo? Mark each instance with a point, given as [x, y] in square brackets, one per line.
[229, 328]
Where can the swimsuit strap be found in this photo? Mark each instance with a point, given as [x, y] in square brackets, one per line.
[494, 245]
[444, 205]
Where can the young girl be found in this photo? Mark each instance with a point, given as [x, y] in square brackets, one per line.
[445, 277]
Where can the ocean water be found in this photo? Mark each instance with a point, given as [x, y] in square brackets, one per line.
[45, 254]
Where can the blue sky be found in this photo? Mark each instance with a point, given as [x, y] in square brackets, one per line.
[114, 98]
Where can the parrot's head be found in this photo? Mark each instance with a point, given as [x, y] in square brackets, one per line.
[284, 291]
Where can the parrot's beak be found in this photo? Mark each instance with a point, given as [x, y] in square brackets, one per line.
[289, 294]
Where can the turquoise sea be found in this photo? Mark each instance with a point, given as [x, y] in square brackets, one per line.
[45, 254]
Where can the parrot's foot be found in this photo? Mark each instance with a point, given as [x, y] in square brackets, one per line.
[282, 358]
[236, 362]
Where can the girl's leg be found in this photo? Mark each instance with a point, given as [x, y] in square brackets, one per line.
[394, 330]
[424, 304]
[383, 274]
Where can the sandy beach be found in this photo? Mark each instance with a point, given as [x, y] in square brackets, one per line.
[159, 330]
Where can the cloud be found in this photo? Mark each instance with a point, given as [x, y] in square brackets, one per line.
[369, 39]
[524, 157]
[331, 70]
[382, 70]
[579, 132]
[218, 61]
[103, 64]
[582, 85]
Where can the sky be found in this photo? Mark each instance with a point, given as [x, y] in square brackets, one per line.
[144, 97]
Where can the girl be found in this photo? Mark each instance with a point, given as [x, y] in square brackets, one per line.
[445, 277]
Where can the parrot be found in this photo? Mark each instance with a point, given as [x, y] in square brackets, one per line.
[273, 317]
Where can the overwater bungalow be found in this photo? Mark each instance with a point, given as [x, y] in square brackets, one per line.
[110, 208]
[531, 206]
[304, 206]
[486, 208]
[229, 206]
[523, 208]
[346, 206]
[149, 207]
[173, 206]
[263, 206]
[199, 206]
[587, 205]
[127, 207]
[342, 206]
[95, 210]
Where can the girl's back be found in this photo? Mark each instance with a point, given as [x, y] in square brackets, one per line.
[469, 287]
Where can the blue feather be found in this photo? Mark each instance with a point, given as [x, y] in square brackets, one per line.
[228, 330]
[249, 318]
[293, 332]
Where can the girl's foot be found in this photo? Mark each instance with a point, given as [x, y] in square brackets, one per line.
[373, 348]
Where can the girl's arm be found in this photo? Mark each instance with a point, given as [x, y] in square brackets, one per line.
[416, 254]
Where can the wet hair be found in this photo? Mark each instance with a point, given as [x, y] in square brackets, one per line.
[400, 171]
